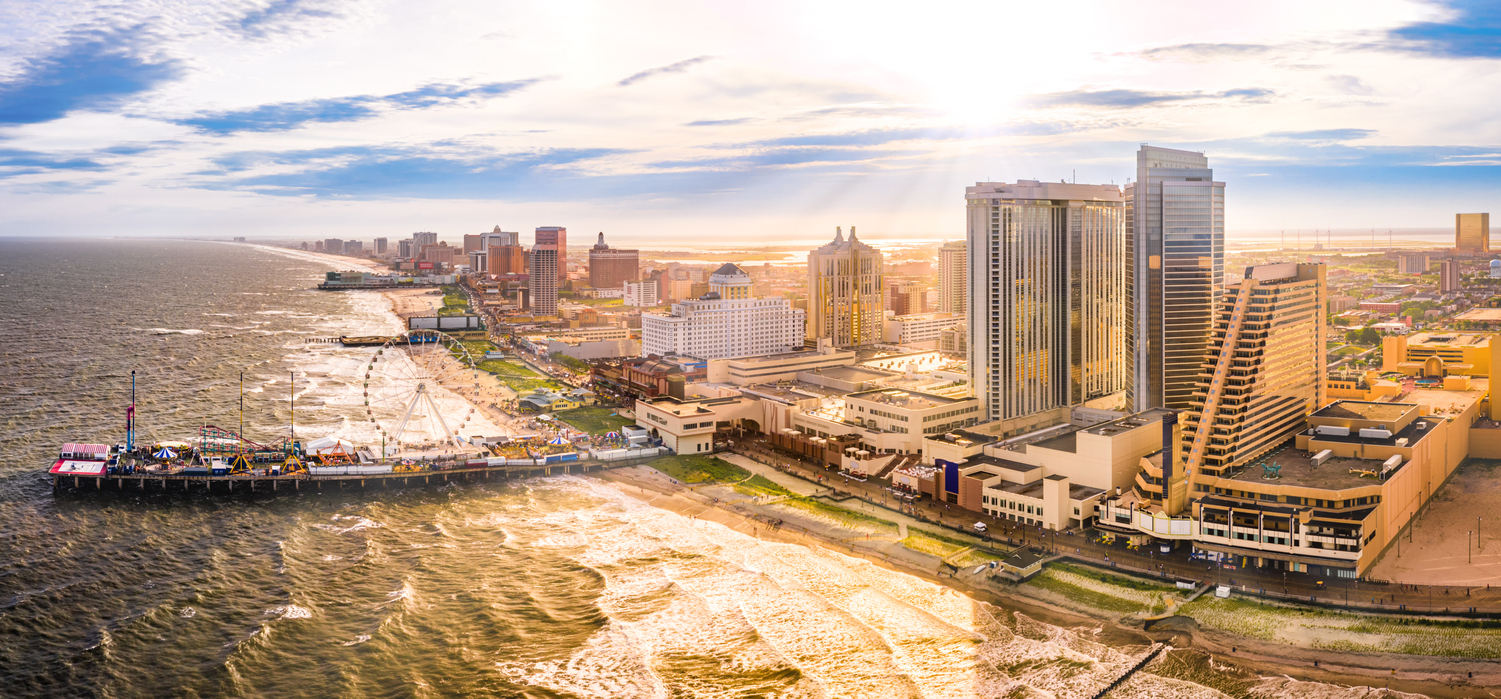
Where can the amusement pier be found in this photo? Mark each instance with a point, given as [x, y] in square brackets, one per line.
[422, 440]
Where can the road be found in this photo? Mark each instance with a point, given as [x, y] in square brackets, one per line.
[1085, 544]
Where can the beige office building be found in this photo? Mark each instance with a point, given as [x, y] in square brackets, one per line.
[1263, 374]
[846, 301]
[1472, 233]
[1047, 301]
[953, 277]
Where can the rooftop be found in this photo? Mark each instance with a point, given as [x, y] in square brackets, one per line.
[910, 400]
[964, 438]
[1297, 470]
[1450, 339]
[851, 373]
[1364, 410]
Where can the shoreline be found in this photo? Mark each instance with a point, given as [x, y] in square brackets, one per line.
[1413, 673]
[1439, 677]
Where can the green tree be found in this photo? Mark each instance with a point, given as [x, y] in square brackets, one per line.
[1370, 336]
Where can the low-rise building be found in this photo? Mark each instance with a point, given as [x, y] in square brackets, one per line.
[687, 426]
[1440, 354]
[918, 329]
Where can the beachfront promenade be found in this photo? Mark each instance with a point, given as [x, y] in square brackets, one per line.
[1085, 547]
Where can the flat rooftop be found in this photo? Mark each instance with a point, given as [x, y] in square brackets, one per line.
[911, 400]
[1441, 402]
[1129, 422]
[964, 437]
[1485, 315]
[1297, 470]
[1449, 339]
[852, 373]
[1365, 410]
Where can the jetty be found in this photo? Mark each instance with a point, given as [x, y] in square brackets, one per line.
[382, 475]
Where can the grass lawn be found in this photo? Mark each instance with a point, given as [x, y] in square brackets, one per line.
[594, 420]
[693, 469]
[925, 542]
[845, 517]
[1116, 580]
[597, 303]
[505, 368]
[761, 486]
[525, 386]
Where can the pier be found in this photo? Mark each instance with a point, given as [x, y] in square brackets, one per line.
[141, 481]
[1135, 667]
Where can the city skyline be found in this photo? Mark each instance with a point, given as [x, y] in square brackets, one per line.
[782, 121]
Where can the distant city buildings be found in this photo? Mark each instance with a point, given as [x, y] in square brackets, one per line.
[1046, 312]
[380, 246]
[641, 294]
[1448, 276]
[545, 278]
[953, 277]
[727, 322]
[1472, 233]
[425, 238]
[506, 259]
[1412, 263]
[845, 295]
[354, 248]
[1175, 271]
[333, 246]
[907, 297]
[556, 239]
[609, 268]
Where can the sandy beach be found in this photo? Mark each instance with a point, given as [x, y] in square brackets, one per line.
[1428, 675]
[1437, 677]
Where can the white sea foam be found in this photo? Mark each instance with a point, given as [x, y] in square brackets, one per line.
[187, 612]
[357, 640]
[289, 611]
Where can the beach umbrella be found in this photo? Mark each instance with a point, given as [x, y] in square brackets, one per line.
[165, 453]
[612, 435]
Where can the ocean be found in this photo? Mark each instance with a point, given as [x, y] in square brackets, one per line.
[548, 587]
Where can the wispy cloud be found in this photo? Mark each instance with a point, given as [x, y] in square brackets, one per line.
[1128, 99]
[24, 162]
[290, 115]
[1206, 52]
[1324, 134]
[1473, 30]
[280, 17]
[93, 69]
[384, 172]
[678, 67]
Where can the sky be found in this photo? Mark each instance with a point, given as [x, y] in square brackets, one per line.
[725, 123]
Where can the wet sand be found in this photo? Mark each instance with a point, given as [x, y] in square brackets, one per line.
[1438, 677]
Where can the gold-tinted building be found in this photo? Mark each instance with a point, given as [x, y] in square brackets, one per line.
[846, 301]
[1472, 232]
[1263, 374]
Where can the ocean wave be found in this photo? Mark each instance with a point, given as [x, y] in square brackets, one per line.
[170, 331]
[357, 640]
[187, 612]
[290, 611]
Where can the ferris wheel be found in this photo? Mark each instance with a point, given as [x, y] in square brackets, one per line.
[409, 386]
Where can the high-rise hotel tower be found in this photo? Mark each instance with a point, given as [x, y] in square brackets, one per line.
[1263, 372]
[1175, 266]
[846, 301]
[1047, 305]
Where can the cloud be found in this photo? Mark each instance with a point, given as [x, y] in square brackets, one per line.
[1324, 134]
[1472, 30]
[279, 17]
[1348, 84]
[722, 122]
[1202, 53]
[284, 116]
[1126, 99]
[678, 67]
[94, 69]
[25, 162]
[385, 172]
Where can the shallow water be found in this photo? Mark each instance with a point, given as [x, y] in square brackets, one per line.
[542, 588]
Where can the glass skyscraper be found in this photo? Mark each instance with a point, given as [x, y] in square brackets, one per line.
[1047, 300]
[1175, 267]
